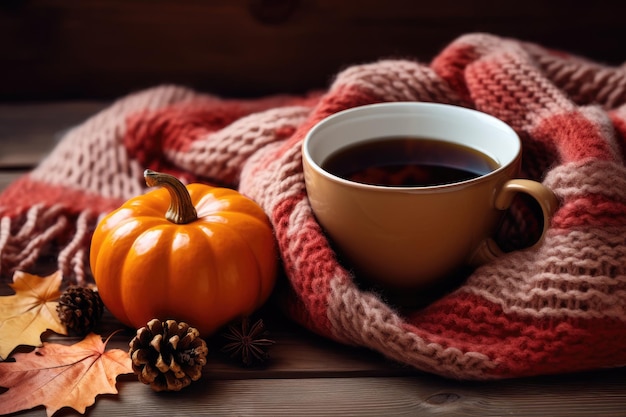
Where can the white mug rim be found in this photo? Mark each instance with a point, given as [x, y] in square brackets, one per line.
[399, 109]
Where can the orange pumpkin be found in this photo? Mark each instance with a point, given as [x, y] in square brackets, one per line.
[196, 253]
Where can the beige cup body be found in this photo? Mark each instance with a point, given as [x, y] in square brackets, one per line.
[411, 238]
[408, 237]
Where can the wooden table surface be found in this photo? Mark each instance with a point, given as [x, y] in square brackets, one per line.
[306, 375]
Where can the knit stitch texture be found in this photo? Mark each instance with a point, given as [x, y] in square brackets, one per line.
[558, 308]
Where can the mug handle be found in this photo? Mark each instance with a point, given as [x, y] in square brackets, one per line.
[489, 250]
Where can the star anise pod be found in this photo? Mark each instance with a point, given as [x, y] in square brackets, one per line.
[247, 343]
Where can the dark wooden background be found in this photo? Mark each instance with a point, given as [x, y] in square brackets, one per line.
[101, 49]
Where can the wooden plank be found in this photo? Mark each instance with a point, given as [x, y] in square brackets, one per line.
[7, 177]
[29, 131]
[416, 396]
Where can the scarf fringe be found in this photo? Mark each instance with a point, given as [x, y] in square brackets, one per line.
[27, 238]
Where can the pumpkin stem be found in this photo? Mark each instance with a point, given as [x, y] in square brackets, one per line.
[181, 210]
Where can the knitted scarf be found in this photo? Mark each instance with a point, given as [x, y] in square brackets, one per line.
[558, 308]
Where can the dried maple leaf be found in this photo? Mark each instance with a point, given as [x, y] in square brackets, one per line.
[28, 313]
[57, 376]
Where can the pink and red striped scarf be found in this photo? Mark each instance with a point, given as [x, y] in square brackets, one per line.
[560, 308]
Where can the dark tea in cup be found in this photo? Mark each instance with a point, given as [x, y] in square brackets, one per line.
[408, 162]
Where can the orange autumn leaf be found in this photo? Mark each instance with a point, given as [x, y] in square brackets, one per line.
[28, 313]
[58, 376]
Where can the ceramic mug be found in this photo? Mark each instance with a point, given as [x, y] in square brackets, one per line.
[407, 237]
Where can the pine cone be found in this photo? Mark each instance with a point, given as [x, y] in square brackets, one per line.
[168, 355]
[80, 309]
